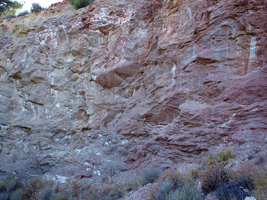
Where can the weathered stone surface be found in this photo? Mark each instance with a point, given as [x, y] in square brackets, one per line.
[138, 83]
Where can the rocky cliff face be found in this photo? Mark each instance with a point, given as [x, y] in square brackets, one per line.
[136, 83]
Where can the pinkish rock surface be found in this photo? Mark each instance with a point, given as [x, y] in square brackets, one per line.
[137, 83]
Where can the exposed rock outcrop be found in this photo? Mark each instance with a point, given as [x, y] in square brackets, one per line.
[133, 82]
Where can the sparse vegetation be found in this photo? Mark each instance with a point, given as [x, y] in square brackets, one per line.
[193, 174]
[23, 13]
[9, 7]
[174, 186]
[10, 17]
[150, 175]
[46, 195]
[108, 171]
[76, 186]
[260, 160]
[225, 155]
[4, 196]
[260, 183]
[17, 195]
[228, 184]
[245, 176]
[210, 178]
[186, 193]
[230, 191]
[209, 160]
[214, 176]
[62, 198]
[36, 7]
[80, 3]
[163, 190]
[132, 185]
[106, 191]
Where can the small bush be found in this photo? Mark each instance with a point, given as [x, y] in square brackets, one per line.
[132, 185]
[36, 184]
[112, 192]
[260, 184]
[36, 7]
[193, 174]
[29, 192]
[12, 185]
[49, 182]
[93, 193]
[225, 155]
[23, 13]
[108, 171]
[176, 179]
[150, 175]
[10, 17]
[4, 196]
[211, 178]
[169, 181]
[260, 160]
[230, 191]
[16, 195]
[80, 3]
[76, 186]
[163, 190]
[107, 192]
[62, 198]
[186, 193]
[244, 177]
[2, 188]
[47, 195]
[210, 159]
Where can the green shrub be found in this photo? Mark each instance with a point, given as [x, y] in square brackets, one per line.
[36, 7]
[163, 190]
[4, 196]
[245, 177]
[230, 191]
[76, 187]
[10, 17]
[175, 178]
[62, 198]
[193, 174]
[260, 160]
[150, 175]
[260, 184]
[16, 195]
[225, 155]
[210, 159]
[132, 185]
[186, 193]
[12, 185]
[46, 195]
[80, 3]
[36, 184]
[9, 6]
[2, 188]
[23, 13]
[112, 192]
[107, 192]
[211, 178]
[169, 181]
[109, 170]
